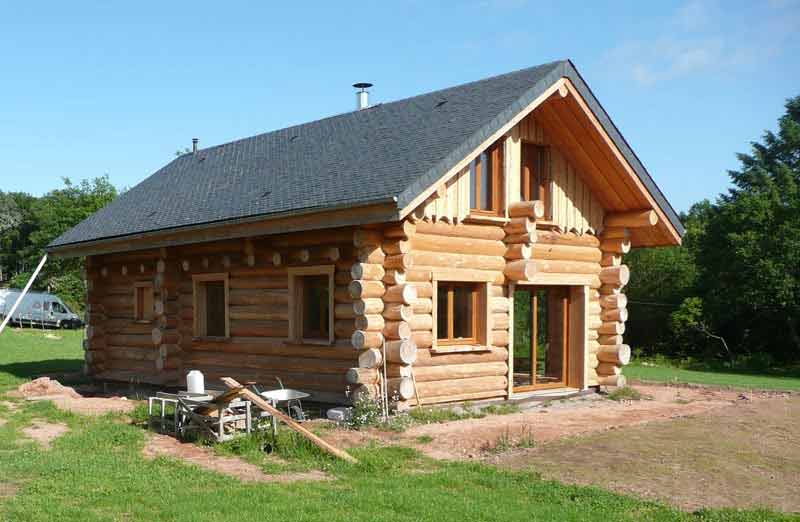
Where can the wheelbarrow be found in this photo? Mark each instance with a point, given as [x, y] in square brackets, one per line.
[287, 399]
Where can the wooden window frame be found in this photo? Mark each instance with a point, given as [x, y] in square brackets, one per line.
[138, 314]
[296, 303]
[545, 183]
[482, 326]
[198, 323]
[495, 153]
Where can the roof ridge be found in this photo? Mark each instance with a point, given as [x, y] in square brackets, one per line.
[381, 105]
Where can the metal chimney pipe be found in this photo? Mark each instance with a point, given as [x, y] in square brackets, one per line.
[194, 145]
[362, 96]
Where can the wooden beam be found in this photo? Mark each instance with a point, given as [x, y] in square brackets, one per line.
[632, 219]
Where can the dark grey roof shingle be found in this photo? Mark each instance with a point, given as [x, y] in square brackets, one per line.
[391, 150]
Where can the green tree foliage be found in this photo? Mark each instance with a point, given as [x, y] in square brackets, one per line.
[749, 252]
[40, 221]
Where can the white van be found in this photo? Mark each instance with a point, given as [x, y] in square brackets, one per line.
[37, 309]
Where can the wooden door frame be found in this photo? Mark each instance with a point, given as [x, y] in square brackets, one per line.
[574, 333]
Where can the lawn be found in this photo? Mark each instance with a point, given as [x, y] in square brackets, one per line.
[96, 472]
[664, 372]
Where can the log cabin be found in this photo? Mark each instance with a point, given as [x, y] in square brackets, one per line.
[465, 244]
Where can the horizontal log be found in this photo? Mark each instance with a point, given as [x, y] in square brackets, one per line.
[529, 209]
[422, 322]
[402, 230]
[362, 376]
[499, 304]
[521, 270]
[367, 237]
[452, 371]
[343, 328]
[612, 339]
[615, 275]
[371, 305]
[455, 245]
[618, 354]
[518, 251]
[398, 312]
[251, 296]
[461, 397]
[440, 259]
[612, 380]
[499, 337]
[566, 267]
[400, 389]
[610, 259]
[370, 358]
[605, 368]
[418, 275]
[500, 321]
[394, 277]
[255, 312]
[566, 252]
[131, 353]
[363, 339]
[616, 233]
[396, 246]
[397, 330]
[422, 338]
[614, 314]
[423, 289]
[141, 341]
[527, 238]
[461, 230]
[614, 301]
[617, 246]
[612, 328]
[370, 322]
[460, 386]
[364, 289]
[456, 274]
[399, 262]
[405, 294]
[344, 311]
[276, 346]
[401, 351]
[259, 328]
[422, 306]
[632, 219]
[372, 254]
[519, 225]
[367, 271]
[557, 238]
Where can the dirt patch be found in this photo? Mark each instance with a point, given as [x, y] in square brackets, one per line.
[8, 490]
[2, 421]
[67, 399]
[476, 437]
[744, 455]
[10, 406]
[164, 446]
[42, 387]
[44, 432]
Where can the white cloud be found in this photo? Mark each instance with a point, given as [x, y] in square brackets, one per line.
[701, 37]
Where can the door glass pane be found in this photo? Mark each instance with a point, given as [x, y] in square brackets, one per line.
[523, 326]
[462, 312]
[441, 312]
[551, 335]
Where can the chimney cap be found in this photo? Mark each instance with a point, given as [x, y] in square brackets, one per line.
[194, 144]
[362, 85]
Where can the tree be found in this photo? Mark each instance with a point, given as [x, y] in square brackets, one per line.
[749, 253]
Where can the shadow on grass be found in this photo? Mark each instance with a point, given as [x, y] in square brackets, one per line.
[33, 369]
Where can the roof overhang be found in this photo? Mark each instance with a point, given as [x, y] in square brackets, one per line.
[312, 219]
[584, 133]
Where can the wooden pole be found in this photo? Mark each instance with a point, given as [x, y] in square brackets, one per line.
[266, 406]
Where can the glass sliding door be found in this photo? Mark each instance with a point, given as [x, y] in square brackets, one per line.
[541, 326]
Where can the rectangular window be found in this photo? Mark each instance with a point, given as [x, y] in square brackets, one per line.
[486, 180]
[456, 313]
[311, 304]
[211, 305]
[143, 301]
[535, 175]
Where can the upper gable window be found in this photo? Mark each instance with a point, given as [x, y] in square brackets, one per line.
[486, 180]
[535, 175]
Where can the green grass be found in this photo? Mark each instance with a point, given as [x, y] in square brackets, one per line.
[96, 472]
[664, 372]
[624, 394]
[27, 353]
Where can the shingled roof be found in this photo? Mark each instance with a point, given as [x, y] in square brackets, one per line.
[387, 153]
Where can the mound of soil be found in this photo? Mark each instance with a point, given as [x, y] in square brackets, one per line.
[44, 386]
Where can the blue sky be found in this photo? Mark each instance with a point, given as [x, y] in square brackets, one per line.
[91, 88]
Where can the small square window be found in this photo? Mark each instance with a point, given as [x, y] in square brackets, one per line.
[457, 313]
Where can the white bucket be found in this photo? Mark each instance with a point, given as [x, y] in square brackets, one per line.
[195, 382]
